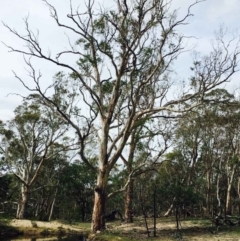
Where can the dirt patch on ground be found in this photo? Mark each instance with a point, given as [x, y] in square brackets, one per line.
[35, 228]
[161, 225]
[39, 224]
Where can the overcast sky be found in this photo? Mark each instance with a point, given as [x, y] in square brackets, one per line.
[208, 16]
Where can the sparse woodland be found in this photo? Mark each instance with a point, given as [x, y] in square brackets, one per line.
[113, 138]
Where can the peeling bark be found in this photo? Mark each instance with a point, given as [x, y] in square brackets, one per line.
[128, 203]
[99, 208]
[21, 211]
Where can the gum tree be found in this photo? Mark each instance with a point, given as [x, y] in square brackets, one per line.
[28, 141]
[122, 76]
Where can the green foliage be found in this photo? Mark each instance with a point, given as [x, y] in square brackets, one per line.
[76, 184]
[234, 160]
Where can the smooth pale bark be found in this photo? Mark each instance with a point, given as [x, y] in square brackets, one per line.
[217, 192]
[51, 209]
[53, 203]
[168, 211]
[228, 198]
[128, 203]
[218, 189]
[21, 211]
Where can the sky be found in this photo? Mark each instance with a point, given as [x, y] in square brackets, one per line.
[208, 17]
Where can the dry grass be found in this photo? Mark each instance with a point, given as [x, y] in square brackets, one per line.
[191, 230]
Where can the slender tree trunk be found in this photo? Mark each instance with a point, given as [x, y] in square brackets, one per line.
[177, 217]
[154, 211]
[36, 210]
[53, 203]
[217, 192]
[208, 194]
[82, 203]
[169, 210]
[228, 201]
[129, 191]
[51, 209]
[21, 211]
[238, 189]
[144, 212]
[83, 211]
[218, 197]
[128, 203]
[228, 198]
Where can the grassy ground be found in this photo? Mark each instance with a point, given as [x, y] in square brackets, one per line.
[191, 229]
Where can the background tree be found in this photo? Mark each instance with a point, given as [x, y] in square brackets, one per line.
[9, 192]
[206, 138]
[77, 182]
[147, 144]
[45, 190]
[28, 141]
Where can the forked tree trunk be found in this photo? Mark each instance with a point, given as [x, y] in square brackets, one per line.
[21, 211]
[98, 220]
[128, 203]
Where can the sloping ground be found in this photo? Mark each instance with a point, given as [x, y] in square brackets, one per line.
[39, 224]
[35, 228]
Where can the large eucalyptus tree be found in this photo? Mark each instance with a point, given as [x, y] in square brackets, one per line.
[122, 77]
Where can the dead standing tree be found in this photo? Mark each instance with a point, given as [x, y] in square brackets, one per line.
[125, 55]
